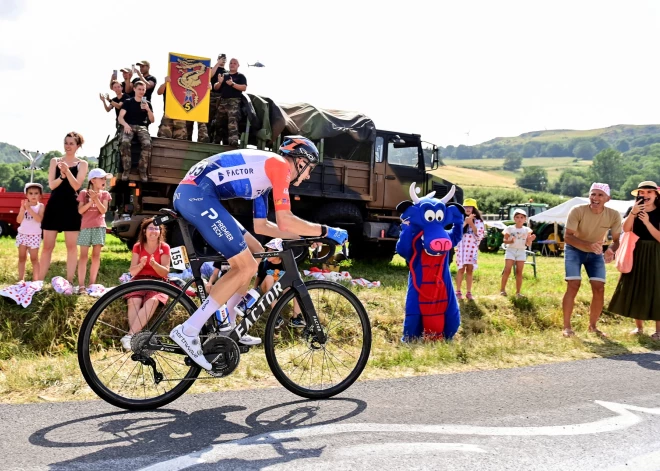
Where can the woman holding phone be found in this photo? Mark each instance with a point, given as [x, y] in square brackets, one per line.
[637, 295]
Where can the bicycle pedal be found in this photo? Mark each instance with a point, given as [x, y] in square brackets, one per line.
[243, 348]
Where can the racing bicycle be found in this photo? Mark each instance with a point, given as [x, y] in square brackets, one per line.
[317, 361]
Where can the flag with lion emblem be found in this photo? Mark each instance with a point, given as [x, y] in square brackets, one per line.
[188, 96]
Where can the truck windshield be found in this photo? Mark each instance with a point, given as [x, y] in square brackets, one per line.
[427, 149]
[403, 156]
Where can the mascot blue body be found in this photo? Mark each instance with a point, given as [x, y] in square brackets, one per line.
[431, 306]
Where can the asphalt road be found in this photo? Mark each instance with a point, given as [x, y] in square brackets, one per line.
[588, 415]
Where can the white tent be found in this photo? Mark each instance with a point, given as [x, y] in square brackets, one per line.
[559, 214]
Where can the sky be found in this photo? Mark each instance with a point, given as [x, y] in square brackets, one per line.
[441, 69]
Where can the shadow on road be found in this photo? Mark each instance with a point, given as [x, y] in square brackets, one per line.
[147, 438]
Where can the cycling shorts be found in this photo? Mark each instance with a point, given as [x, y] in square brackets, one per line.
[201, 207]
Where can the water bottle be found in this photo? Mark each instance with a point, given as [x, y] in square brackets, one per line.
[248, 301]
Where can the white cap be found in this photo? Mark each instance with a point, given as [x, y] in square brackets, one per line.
[520, 211]
[33, 185]
[98, 173]
[604, 187]
[275, 244]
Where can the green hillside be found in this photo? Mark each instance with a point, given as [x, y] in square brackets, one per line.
[10, 154]
[611, 134]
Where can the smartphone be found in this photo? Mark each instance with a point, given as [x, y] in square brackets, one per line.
[144, 99]
[639, 198]
[114, 73]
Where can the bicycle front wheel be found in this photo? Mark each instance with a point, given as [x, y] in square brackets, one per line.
[299, 361]
[135, 376]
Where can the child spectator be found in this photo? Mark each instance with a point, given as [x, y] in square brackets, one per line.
[517, 237]
[270, 271]
[151, 260]
[92, 204]
[467, 249]
[29, 231]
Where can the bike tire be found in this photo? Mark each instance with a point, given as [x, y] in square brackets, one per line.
[86, 363]
[271, 341]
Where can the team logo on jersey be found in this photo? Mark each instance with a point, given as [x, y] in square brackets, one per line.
[211, 213]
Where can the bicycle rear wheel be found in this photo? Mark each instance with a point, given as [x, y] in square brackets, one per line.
[302, 364]
[139, 378]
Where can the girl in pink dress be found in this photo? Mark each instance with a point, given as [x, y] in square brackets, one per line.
[468, 249]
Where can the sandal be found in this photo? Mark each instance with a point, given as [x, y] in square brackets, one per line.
[469, 296]
[568, 333]
[519, 295]
[459, 295]
[598, 332]
[80, 290]
[503, 293]
[655, 336]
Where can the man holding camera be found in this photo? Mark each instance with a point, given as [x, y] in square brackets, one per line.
[229, 108]
[586, 228]
[135, 115]
[144, 75]
[216, 84]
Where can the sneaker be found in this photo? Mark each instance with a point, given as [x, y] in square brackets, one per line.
[126, 342]
[191, 345]
[279, 322]
[124, 175]
[249, 340]
[297, 322]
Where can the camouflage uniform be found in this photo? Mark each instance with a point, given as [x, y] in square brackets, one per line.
[213, 110]
[202, 132]
[172, 129]
[229, 114]
[145, 152]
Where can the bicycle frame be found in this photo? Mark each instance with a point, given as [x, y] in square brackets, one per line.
[291, 279]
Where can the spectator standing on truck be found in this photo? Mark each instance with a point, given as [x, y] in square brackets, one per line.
[133, 117]
[150, 260]
[586, 228]
[116, 102]
[170, 128]
[92, 204]
[28, 238]
[229, 107]
[217, 73]
[65, 177]
[144, 76]
[202, 129]
[467, 249]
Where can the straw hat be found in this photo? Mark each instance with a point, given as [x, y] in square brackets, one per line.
[647, 185]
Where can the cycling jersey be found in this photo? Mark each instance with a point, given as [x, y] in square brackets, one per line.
[244, 173]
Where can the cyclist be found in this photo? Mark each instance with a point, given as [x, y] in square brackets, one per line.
[249, 174]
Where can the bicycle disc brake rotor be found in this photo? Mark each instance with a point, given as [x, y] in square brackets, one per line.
[223, 353]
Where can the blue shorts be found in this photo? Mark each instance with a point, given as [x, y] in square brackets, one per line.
[575, 258]
[202, 208]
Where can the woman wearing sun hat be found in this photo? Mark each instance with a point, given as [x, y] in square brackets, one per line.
[637, 295]
[467, 249]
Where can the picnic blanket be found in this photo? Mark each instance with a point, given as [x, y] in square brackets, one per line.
[22, 292]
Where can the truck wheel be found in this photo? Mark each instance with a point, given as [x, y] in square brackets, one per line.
[340, 214]
[4, 229]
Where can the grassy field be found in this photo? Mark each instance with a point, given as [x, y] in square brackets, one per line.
[477, 172]
[37, 344]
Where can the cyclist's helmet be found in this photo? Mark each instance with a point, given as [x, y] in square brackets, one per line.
[299, 146]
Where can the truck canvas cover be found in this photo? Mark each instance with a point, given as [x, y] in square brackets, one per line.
[312, 122]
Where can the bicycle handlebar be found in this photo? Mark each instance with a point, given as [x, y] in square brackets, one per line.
[307, 241]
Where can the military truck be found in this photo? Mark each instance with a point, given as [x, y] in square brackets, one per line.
[494, 237]
[363, 174]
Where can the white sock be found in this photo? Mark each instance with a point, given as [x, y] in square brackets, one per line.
[231, 304]
[193, 325]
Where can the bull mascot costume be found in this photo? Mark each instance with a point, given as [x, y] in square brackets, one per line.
[431, 306]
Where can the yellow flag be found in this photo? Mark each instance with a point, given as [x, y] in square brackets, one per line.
[188, 94]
